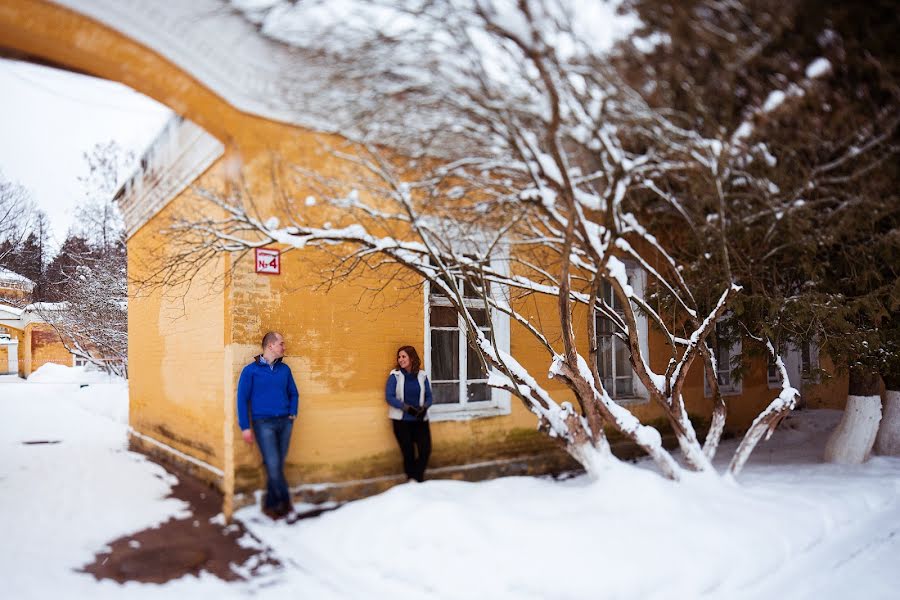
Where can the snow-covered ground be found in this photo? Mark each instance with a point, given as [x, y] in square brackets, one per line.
[792, 528]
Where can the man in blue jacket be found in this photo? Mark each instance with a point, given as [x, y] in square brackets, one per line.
[267, 400]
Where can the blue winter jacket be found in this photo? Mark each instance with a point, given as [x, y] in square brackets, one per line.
[266, 391]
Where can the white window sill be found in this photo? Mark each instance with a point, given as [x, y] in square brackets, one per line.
[450, 412]
[631, 401]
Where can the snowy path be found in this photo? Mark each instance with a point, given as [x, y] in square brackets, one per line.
[794, 528]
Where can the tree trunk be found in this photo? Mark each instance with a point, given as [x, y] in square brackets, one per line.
[852, 441]
[764, 424]
[864, 383]
[888, 440]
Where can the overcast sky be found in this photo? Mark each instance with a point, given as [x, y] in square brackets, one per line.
[49, 118]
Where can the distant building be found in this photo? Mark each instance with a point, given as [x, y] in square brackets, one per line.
[27, 342]
[15, 289]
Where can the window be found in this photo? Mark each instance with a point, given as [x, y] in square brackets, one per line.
[458, 378]
[457, 375]
[79, 361]
[801, 364]
[809, 360]
[613, 355]
[726, 352]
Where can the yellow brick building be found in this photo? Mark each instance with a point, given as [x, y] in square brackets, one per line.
[27, 342]
[187, 344]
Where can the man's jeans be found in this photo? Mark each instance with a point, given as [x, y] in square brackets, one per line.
[273, 436]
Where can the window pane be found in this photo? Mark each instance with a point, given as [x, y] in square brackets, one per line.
[444, 355]
[623, 365]
[610, 296]
[805, 359]
[433, 289]
[470, 290]
[604, 358]
[478, 392]
[608, 386]
[445, 393]
[604, 326]
[480, 316]
[436, 290]
[624, 386]
[443, 316]
[724, 378]
[723, 356]
[474, 368]
[607, 292]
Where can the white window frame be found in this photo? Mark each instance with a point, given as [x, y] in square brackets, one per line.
[735, 388]
[79, 361]
[500, 402]
[638, 282]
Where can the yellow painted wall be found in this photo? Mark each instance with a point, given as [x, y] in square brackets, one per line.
[340, 355]
[14, 296]
[176, 352]
[41, 346]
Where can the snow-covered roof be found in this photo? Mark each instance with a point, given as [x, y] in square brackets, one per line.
[222, 48]
[38, 307]
[19, 281]
[11, 310]
[276, 58]
[178, 155]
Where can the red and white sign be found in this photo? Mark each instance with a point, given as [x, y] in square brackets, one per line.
[268, 261]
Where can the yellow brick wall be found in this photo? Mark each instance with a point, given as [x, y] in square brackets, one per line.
[176, 357]
[42, 345]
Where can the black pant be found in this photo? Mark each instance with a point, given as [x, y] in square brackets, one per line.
[414, 436]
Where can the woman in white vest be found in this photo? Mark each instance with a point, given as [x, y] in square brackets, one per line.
[408, 394]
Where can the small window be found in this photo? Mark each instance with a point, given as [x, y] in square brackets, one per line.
[726, 353]
[457, 374]
[809, 360]
[613, 354]
[79, 361]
